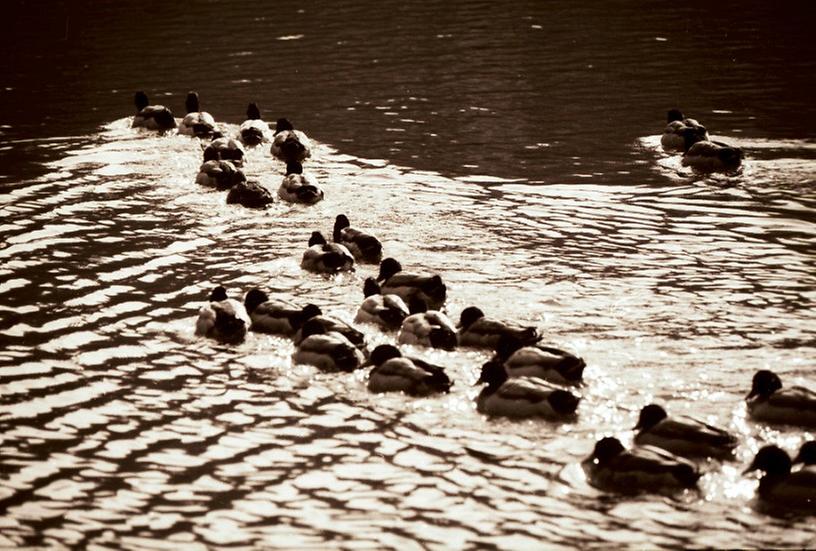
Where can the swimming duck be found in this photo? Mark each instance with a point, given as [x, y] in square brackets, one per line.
[388, 311]
[327, 351]
[478, 331]
[334, 325]
[298, 187]
[252, 195]
[687, 437]
[364, 247]
[325, 257]
[543, 362]
[523, 396]
[769, 402]
[807, 454]
[779, 485]
[706, 156]
[393, 280]
[221, 175]
[222, 319]
[427, 327]
[152, 117]
[395, 373]
[226, 149]
[196, 122]
[279, 317]
[646, 469]
[674, 135]
[253, 131]
[290, 145]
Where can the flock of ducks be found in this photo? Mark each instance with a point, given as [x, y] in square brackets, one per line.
[523, 378]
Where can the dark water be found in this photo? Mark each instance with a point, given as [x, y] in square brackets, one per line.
[512, 149]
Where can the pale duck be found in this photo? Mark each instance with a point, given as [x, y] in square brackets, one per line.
[297, 187]
[647, 469]
[674, 135]
[684, 436]
[479, 331]
[290, 145]
[325, 257]
[334, 325]
[543, 362]
[326, 351]
[196, 122]
[707, 156]
[252, 195]
[429, 288]
[425, 327]
[388, 311]
[523, 396]
[226, 149]
[253, 131]
[222, 318]
[221, 175]
[393, 372]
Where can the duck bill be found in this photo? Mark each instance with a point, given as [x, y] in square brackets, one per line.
[752, 393]
[751, 468]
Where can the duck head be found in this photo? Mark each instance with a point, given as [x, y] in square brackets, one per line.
[764, 384]
[294, 167]
[674, 115]
[191, 103]
[253, 299]
[606, 449]
[312, 327]
[388, 267]
[650, 416]
[493, 373]
[253, 112]
[563, 401]
[371, 287]
[218, 294]
[308, 312]
[383, 353]
[772, 460]
[469, 316]
[807, 453]
[317, 239]
[507, 345]
[282, 125]
[340, 223]
[140, 100]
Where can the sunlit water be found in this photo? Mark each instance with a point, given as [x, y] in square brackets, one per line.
[121, 428]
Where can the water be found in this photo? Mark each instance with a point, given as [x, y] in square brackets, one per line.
[512, 150]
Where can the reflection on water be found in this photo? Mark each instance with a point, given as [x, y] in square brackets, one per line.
[537, 188]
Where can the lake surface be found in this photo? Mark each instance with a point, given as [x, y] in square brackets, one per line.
[514, 150]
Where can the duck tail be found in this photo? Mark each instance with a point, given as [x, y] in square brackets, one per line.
[572, 368]
[442, 338]
[393, 317]
[564, 402]
[685, 474]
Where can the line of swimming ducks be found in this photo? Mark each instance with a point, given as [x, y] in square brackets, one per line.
[224, 156]
[524, 378]
[689, 137]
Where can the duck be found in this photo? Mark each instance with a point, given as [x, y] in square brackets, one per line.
[289, 144]
[298, 187]
[152, 117]
[387, 311]
[523, 396]
[780, 486]
[252, 195]
[364, 247]
[328, 351]
[221, 175]
[325, 257]
[196, 122]
[425, 327]
[645, 469]
[686, 437]
[429, 288]
[222, 318]
[673, 138]
[253, 131]
[539, 361]
[277, 317]
[768, 401]
[481, 332]
[393, 372]
[807, 454]
[709, 156]
[334, 325]
[226, 149]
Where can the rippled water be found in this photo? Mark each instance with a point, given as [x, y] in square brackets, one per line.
[476, 141]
